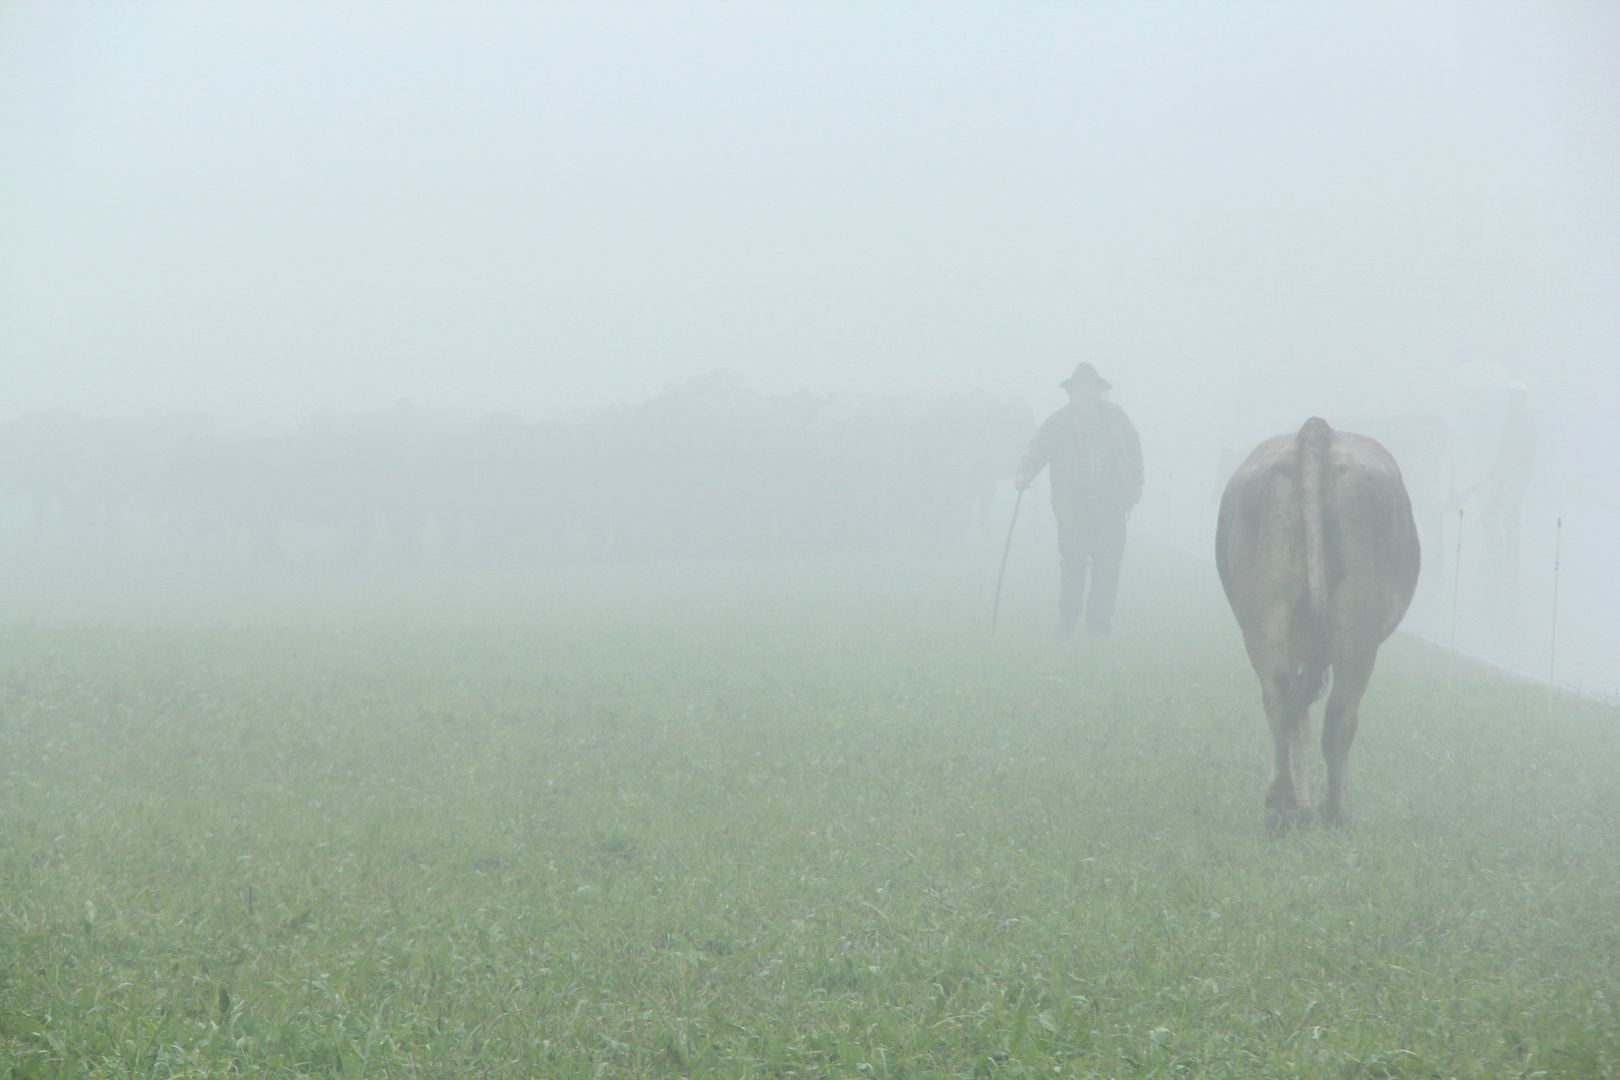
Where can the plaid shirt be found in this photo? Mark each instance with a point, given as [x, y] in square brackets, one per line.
[1096, 458]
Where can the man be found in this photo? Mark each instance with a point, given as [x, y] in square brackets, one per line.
[1096, 459]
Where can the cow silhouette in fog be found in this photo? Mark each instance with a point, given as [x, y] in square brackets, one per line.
[1319, 556]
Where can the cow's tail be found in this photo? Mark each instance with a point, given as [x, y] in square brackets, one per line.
[1312, 441]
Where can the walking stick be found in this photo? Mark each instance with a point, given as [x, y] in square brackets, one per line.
[995, 609]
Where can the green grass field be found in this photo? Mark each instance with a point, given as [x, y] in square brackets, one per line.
[792, 821]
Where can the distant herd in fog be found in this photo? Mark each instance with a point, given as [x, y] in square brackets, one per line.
[709, 469]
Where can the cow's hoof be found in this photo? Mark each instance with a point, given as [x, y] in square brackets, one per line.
[1280, 820]
[1335, 819]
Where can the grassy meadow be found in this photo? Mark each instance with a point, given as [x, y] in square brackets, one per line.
[772, 821]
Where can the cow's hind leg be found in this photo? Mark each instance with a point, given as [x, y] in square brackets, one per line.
[1288, 801]
[1350, 676]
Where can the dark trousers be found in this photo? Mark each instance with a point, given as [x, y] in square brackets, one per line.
[1094, 538]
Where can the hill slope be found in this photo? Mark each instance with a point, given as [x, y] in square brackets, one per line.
[774, 820]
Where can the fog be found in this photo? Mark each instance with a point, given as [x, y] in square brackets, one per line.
[762, 281]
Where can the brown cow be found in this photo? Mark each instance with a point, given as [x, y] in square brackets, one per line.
[1319, 557]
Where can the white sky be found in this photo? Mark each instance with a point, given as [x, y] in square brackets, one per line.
[1249, 212]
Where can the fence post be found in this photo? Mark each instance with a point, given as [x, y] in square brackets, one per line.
[1552, 645]
[1456, 583]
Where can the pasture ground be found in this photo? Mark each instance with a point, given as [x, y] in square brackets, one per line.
[772, 821]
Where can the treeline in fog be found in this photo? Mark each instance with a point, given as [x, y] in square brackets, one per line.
[707, 469]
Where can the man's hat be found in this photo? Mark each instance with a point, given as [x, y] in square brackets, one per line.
[1086, 375]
